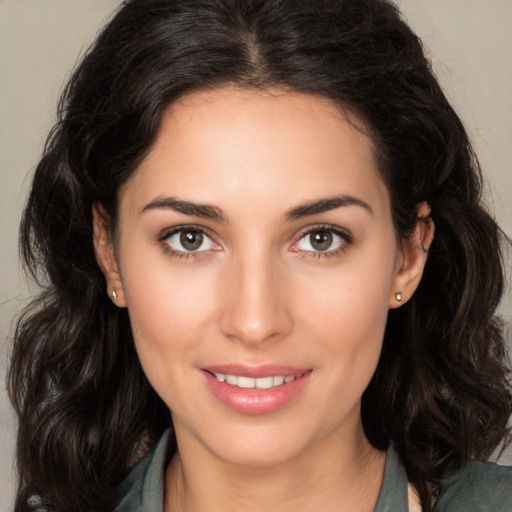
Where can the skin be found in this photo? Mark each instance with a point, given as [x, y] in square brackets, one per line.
[260, 293]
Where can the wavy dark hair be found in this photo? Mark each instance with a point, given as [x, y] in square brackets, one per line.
[86, 411]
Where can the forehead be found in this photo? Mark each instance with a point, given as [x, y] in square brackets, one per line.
[225, 143]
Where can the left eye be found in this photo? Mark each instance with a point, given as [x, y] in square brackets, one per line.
[190, 240]
[321, 240]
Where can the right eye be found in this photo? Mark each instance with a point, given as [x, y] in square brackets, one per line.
[187, 240]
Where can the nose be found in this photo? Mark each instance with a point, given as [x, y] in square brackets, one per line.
[255, 309]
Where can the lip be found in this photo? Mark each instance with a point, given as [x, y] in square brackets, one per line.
[256, 401]
[266, 370]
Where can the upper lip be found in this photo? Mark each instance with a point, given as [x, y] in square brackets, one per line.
[264, 370]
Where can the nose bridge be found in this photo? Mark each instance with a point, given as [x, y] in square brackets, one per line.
[255, 309]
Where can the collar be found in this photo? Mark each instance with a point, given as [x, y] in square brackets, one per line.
[143, 488]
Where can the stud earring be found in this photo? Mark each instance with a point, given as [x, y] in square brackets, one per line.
[113, 295]
[398, 296]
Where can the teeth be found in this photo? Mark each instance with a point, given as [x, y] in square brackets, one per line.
[278, 380]
[266, 382]
[231, 379]
[251, 383]
[244, 382]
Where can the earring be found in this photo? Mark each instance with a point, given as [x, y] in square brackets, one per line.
[113, 295]
[398, 296]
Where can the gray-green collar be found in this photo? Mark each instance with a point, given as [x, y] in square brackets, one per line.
[393, 494]
[142, 490]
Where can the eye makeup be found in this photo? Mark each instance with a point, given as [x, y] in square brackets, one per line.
[322, 241]
[194, 241]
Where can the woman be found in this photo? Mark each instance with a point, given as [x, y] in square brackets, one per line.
[269, 278]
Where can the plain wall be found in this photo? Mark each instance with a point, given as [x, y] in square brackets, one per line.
[469, 41]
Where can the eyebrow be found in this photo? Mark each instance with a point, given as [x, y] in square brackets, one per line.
[205, 211]
[324, 205]
[212, 212]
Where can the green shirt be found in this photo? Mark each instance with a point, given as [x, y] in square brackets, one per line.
[478, 487]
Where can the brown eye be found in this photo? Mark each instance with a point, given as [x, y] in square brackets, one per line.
[321, 240]
[188, 240]
[191, 240]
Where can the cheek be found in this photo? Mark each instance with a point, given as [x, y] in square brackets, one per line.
[351, 328]
[347, 313]
[168, 311]
[162, 294]
[354, 297]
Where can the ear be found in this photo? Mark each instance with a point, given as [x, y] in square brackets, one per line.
[413, 259]
[105, 255]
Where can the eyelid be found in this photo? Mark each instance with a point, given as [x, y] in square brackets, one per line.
[342, 233]
[336, 230]
[169, 232]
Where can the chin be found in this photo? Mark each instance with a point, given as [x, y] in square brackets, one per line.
[272, 441]
[262, 452]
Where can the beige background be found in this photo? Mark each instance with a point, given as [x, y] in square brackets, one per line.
[469, 41]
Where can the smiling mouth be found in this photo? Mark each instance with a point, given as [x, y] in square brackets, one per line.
[256, 390]
[240, 381]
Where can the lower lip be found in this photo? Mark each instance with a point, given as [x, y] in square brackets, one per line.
[256, 401]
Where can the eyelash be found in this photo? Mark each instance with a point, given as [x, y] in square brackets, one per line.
[185, 255]
[345, 237]
[182, 255]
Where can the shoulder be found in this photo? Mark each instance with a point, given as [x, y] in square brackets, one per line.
[477, 487]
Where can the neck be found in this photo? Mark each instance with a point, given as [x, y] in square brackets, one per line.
[333, 476]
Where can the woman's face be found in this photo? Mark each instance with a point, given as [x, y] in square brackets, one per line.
[257, 259]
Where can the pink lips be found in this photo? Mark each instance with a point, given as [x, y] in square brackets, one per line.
[253, 400]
